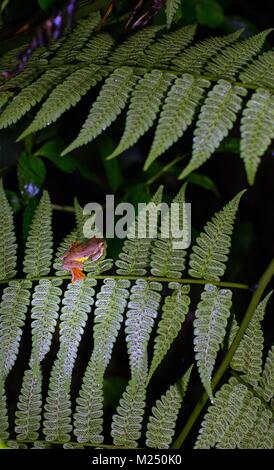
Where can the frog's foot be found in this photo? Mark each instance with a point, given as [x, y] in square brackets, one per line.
[77, 275]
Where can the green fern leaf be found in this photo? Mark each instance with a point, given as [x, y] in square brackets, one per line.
[144, 105]
[65, 95]
[171, 8]
[167, 47]
[4, 422]
[97, 49]
[194, 58]
[110, 306]
[132, 50]
[228, 62]
[257, 130]
[109, 104]
[229, 421]
[76, 304]
[260, 435]
[29, 407]
[177, 114]
[175, 309]
[134, 258]
[248, 356]
[127, 422]
[37, 261]
[209, 330]
[216, 118]
[267, 379]
[261, 71]
[64, 246]
[31, 95]
[210, 253]
[44, 314]
[4, 99]
[142, 310]
[8, 246]
[161, 424]
[13, 310]
[69, 49]
[166, 260]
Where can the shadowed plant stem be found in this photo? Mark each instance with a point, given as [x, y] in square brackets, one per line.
[231, 285]
[265, 279]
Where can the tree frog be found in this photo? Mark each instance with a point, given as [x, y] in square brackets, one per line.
[74, 258]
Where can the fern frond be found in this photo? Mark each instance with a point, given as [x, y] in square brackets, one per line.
[8, 246]
[175, 309]
[13, 308]
[31, 95]
[97, 49]
[267, 379]
[166, 260]
[209, 330]
[210, 253]
[76, 305]
[257, 130]
[144, 105]
[4, 422]
[29, 407]
[37, 261]
[177, 114]
[109, 104]
[127, 422]
[261, 71]
[171, 8]
[64, 246]
[69, 48]
[110, 306]
[142, 310]
[194, 58]
[161, 424]
[134, 258]
[248, 356]
[162, 51]
[232, 418]
[44, 314]
[4, 99]
[228, 62]
[65, 95]
[132, 50]
[216, 118]
[260, 435]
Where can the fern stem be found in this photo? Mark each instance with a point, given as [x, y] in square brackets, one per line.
[232, 285]
[166, 168]
[256, 297]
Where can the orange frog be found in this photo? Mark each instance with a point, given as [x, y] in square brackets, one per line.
[74, 258]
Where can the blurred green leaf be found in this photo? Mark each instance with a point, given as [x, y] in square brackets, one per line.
[204, 182]
[209, 13]
[188, 11]
[230, 144]
[28, 216]
[45, 4]
[31, 174]
[14, 200]
[52, 150]
[112, 167]
[113, 390]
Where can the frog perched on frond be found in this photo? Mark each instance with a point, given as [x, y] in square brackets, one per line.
[74, 258]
